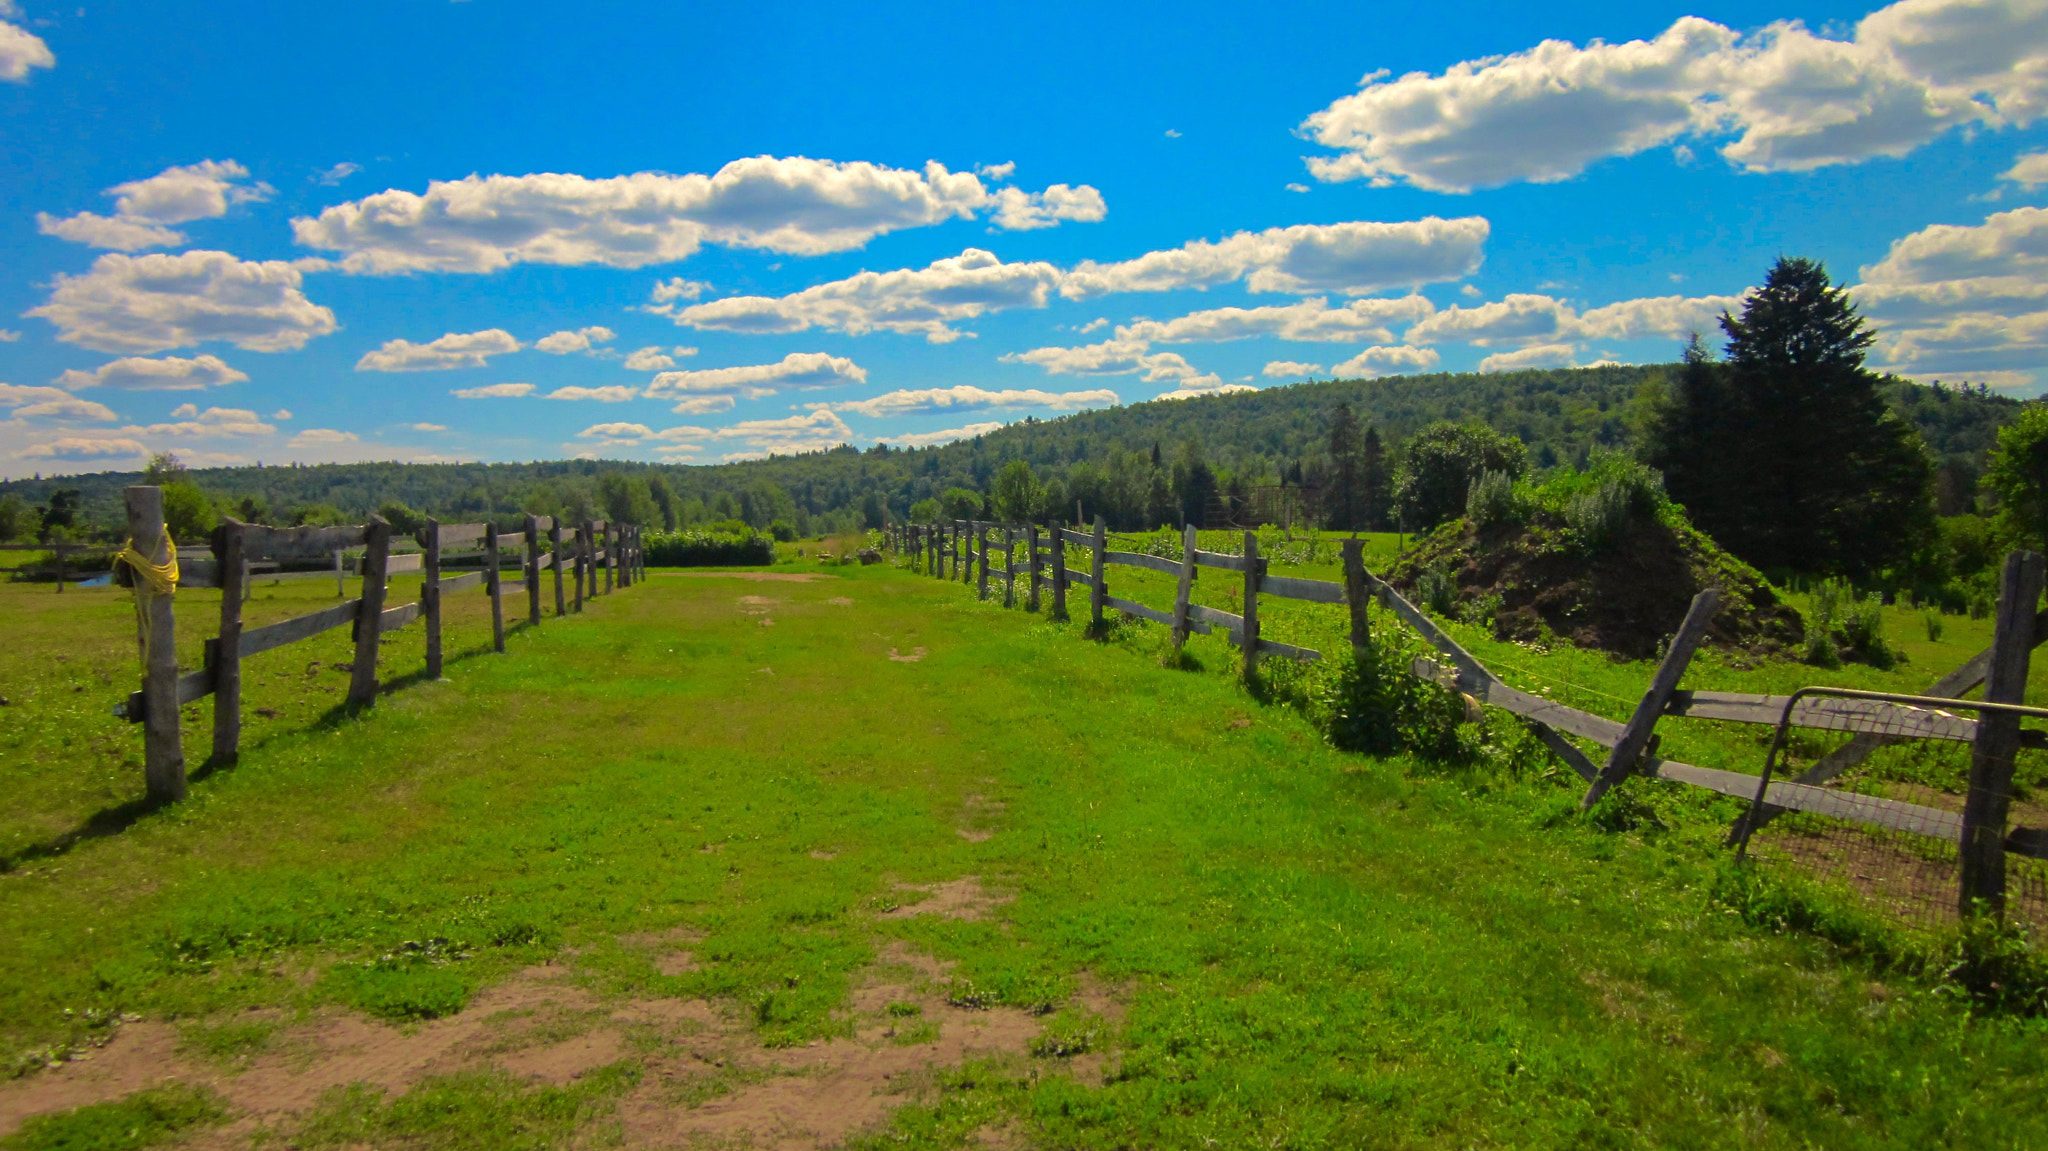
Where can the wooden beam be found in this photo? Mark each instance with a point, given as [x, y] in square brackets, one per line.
[257, 640]
[1312, 590]
[1141, 560]
[1823, 713]
[1253, 569]
[1031, 604]
[261, 543]
[494, 584]
[1356, 594]
[1184, 586]
[1098, 587]
[227, 648]
[533, 571]
[431, 589]
[1219, 560]
[555, 562]
[1059, 573]
[393, 618]
[1989, 800]
[163, 749]
[1635, 738]
[362, 688]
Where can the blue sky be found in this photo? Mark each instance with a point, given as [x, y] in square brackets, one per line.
[496, 230]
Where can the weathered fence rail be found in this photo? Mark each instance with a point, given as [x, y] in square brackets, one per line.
[592, 551]
[961, 549]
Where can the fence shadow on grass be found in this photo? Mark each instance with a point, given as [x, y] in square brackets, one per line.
[107, 821]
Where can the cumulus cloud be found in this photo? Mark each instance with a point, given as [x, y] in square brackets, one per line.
[169, 374]
[1963, 299]
[819, 430]
[158, 302]
[997, 172]
[916, 301]
[68, 408]
[792, 205]
[609, 394]
[1018, 210]
[21, 50]
[1386, 361]
[702, 405]
[322, 438]
[493, 391]
[338, 173]
[1355, 258]
[1535, 356]
[83, 448]
[1109, 358]
[1668, 317]
[655, 358]
[616, 431]
[1208, 385]
[1519, 318]
[796, 371]
[143, 208]
[950, 435]
[16, 395]
[966, 397]
[1277, 368]
[453, 350]
[1780, 99]
[1310, 320]
[2030, 170]
[564, 342]
[191, 422]
[428, 427]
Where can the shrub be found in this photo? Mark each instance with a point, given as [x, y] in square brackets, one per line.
[783, 531]
[1931, 620]
[1437, 590]
[1820, 647]
[1599, 503]
[1843, 625]
[1494, 499]
[721, 545]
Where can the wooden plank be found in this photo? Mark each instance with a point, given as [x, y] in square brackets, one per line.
[193, 685]
[1824, 714]
[453, 535]
[555, 561]
[1469, 666]
[1060, 574]
[1074, 537]
[432, 586]
[1129, 607]
[397, 564]
[393, 618]
[1312, 590]
[1082, 578]
[540, 524]
[1635, 738]
[1989, 800]
[1219, 560]
[1565, 750]
[1141, 560]
[1222, 619]
[457, 583]
[257, 640]
[1866, 809]
[509, 540]
[261, 543]
[1031, 547]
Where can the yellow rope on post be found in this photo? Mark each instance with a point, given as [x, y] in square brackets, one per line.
[152, 580]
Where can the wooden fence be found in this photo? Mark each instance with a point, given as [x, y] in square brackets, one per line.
[595, 557]
[962, 550]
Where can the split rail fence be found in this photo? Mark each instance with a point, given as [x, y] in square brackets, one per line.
[594, 558]
[964, 549]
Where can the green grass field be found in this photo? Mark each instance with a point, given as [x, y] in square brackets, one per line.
[1207, 926]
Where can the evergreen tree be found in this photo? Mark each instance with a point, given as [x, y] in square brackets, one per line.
[1194, 486]
[1788, 454]
[1375, 483]
[1344, 470]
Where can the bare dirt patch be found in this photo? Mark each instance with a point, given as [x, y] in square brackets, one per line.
[758, 577]
[756, 604]
[916, 653]
[840, 601]
[963, 899]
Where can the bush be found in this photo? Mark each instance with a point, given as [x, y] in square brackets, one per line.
[1599, 503]
[1843, 625]
[783, 531]
[1494, 499]
[721, 545]
[1437, 591]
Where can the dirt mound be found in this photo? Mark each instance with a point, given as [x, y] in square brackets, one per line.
[1626, 597]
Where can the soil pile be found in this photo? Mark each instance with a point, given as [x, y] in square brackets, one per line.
[1625, 597]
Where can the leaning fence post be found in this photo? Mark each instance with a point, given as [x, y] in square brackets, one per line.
[1059, 572]
[226, 651]
[1635, 737]
[1184, 587]
[1998, 737]
[1252, 573]
[362, 686]
[494, 583]
[1098, 596]
[163, 749]
[430, 593]
[1355, 595]
[555, 561]
[533, 570]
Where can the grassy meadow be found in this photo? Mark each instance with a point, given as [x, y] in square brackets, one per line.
[1224, 931]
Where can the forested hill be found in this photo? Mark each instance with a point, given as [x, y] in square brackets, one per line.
[1254, 437]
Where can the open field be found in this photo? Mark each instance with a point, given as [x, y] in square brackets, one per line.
[856, 860]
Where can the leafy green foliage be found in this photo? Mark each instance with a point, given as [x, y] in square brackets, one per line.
[1015, 494]
[2018, 477]
[1439, 465]
[728, 546]
[1494, 500]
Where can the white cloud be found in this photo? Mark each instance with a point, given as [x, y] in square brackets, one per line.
[1110, 358]
[1290, 368]
[21, 50]
[1095, 324]
[211, 422]
[9, 336]
[169, 374]
[322, 438]
[966, 397]
[2005, 244]
[677, 288]
[1297, 187]
[702, 405]
[1018, 210]
[2029, 170]
[819, 430]
[16, 395]
[792, 205]
[1389, 360]
[655, 358]
[493, 391]
[429, 427]
[1519, 318]
[564, 342]
[338, 173]
[158, 302]
[1209, 385]
[176, 195]
[83, 448]
[798, 370]
[68, 408]
[1173, 133]
[1355, 258]
[1668, 317]
[1363, 320]
[1791, 100]
[917, 301]
[1970, 300]
[453, 350]
[1536, 356]
[950, 435]
[996, 171]
[618, 431]
[609, 394]
[281, 414]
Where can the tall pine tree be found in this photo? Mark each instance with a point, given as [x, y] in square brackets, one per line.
[1787, 454]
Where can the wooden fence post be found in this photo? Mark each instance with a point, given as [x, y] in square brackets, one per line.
[1355, 595]
[1098, 596]
[587, 553]
[555, 548]
[611, 555]
[163, 749]
[340, 577]
[533, 571]
[494, 583]
[1251, 604]
[1059, 572]
[59, 553]
[430, 593]
[1031, 604]
[1184, 588]
[1635, 738]
[362, 686]
[1009, 567]
[1998, 737]
[226, 650]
